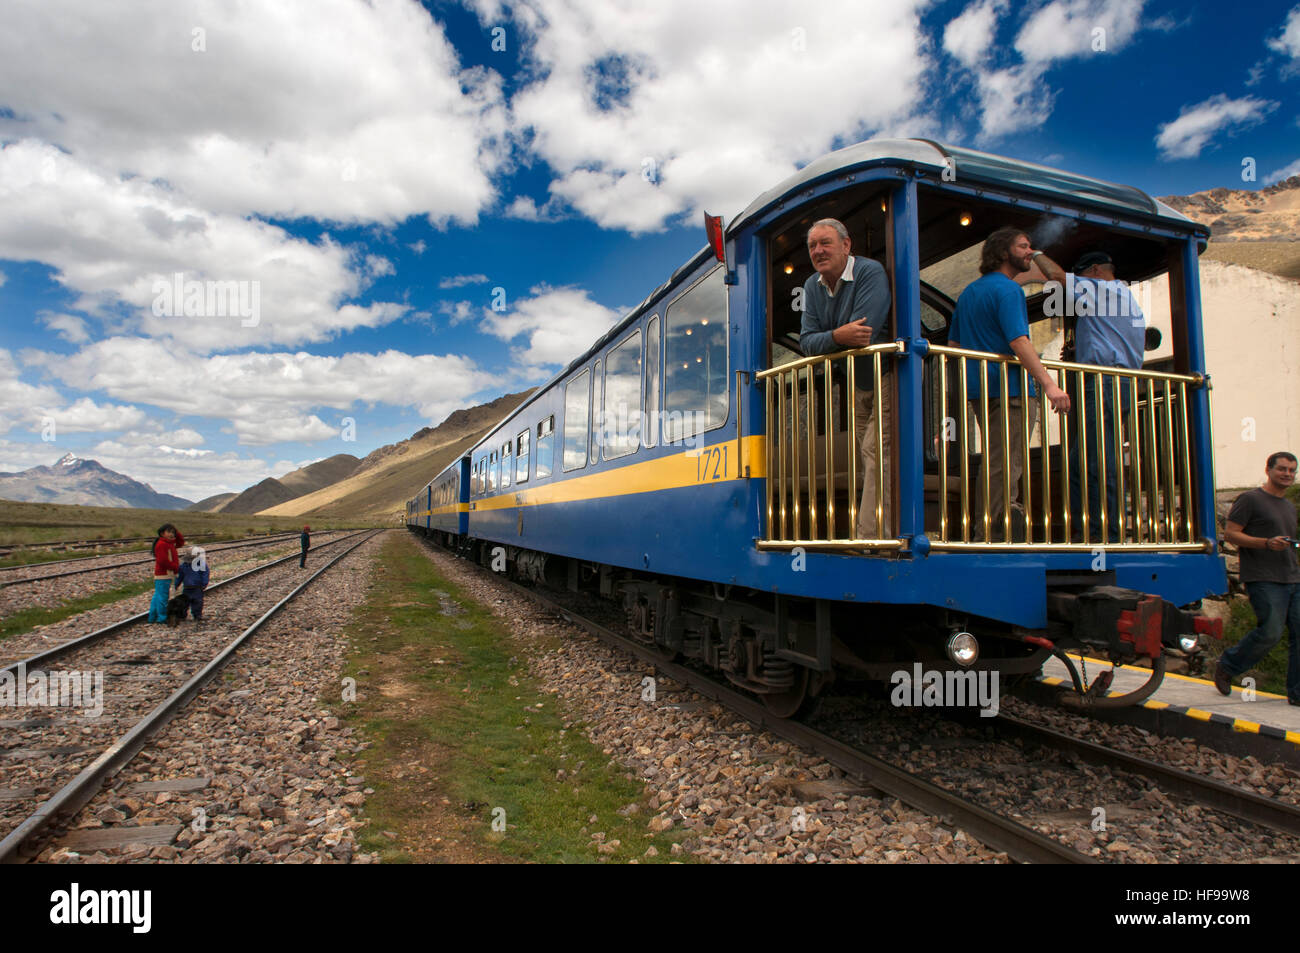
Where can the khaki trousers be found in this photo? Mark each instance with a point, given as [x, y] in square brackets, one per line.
[998, 465]
[865, 408]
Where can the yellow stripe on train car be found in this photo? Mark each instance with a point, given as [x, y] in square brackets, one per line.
[717, 463]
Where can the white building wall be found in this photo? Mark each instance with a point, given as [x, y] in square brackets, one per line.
[1252, 352]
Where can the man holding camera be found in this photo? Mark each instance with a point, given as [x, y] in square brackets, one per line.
[1262, 525]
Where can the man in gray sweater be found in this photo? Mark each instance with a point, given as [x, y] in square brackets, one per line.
[845, 306]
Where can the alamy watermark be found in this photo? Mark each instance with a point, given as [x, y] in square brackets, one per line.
[1085, 298]
[951, 689]
[208, 299]
[41, 689]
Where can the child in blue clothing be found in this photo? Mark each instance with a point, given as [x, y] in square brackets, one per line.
[193, 576]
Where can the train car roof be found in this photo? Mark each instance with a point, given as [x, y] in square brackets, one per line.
[970, 164]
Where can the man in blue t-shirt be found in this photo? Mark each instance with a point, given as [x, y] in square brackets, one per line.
[991, 316]
[1110, 331]
[845, 305]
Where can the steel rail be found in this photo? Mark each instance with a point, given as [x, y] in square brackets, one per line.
[9, 549]
[1000, 833]
[1256, 808]
[282, 538]
[81, 789]
[47, 655]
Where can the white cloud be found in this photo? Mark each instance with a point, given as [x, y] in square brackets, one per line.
[1012, 99]
[559, 323]
[524, 208]
[1283, 173]
[1186, 136]
[86, 416]
[268, 397]
[68, 326]
[121, 240]
[377, 265]
[650, 115]
[460, 281]
[1067, 28]
[458, 311]
[417, 247]
[42, 408]
[328, 109]
[1288, 42]
[969, 38]
[163, 448]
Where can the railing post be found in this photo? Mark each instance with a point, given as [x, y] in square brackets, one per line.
[1199, 406]
[909, 455]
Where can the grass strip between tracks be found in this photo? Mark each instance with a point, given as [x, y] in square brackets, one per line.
[24, 620]
[462, 736]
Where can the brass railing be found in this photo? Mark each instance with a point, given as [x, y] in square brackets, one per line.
[1130, 451]
[812, 453]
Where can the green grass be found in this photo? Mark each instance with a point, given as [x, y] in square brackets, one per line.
[26, 619]
[452, 690]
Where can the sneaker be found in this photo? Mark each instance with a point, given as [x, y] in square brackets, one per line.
[1222, 680]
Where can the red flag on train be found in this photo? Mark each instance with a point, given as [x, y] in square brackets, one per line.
[713, 227]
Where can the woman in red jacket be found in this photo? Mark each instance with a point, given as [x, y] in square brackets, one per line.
[165, 565]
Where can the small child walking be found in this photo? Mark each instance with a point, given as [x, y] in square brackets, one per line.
[193, 577]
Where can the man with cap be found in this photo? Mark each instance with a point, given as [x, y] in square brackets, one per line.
[1110, 331]
[305, 540]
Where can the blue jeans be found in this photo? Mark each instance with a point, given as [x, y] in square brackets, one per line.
[1276, 604]
[1085, 409]
[158, 607]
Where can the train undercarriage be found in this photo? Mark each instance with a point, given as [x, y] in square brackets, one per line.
[788, 650]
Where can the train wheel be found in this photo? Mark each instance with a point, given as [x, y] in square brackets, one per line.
[792, 701]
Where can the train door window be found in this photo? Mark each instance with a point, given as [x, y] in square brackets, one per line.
[695, 360]
[577, 413]
[521, 458]
[621, 424]
[507, 466]
[650, 419]
[593, 447]
[545, 446]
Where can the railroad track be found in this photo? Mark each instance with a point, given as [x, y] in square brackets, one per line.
[1246, 805]
[998, 832]
[146, 670]
[64, 545]
[6, 581]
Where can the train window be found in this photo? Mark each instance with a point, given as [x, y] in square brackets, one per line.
[577, 412]
[695, 359]
[492, 472]
[597, 389]
[650, 419]
[621, 420]
[521, 458]
[545, 446]
[506, 465]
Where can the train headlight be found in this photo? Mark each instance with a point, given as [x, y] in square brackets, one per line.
[1189, 643]
[963, 649]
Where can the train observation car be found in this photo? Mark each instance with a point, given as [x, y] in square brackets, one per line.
[695, 465]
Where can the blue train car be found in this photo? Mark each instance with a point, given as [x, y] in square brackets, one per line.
[441, 508]
[696, 465]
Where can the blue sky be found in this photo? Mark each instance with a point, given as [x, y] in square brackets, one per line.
[360, 184]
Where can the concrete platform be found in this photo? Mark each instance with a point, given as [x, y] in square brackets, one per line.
[1188, 706]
